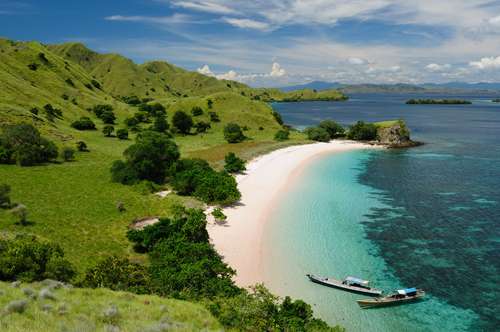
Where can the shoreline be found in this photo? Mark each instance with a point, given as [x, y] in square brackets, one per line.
[239, 240]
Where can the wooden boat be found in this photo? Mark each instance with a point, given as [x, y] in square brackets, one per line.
[350, 284]
[401, 296]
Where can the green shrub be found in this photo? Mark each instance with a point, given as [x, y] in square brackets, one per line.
[233, 164]
[160, 123]
[210, 103]
[108, 130]
[196, 111]
[131, 100]
[25, 258]
[68, 154]
[317, 134]
[96, 84]
[182, 122]
[81, 146]
[219, 215]
[4, 196]
[362, 131]
[22, 144]
[83, 124]
[148, 159]
[117, 274]
[278, 117]
[233, 133]
[202, 127]
[195, 177]
[333, 128]
[282, 135]
[214, 117]
[122, 134]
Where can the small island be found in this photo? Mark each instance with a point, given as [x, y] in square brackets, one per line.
[438, 102]
[497, 100]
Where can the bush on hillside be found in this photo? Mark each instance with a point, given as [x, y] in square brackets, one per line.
[27, 259]
[233, 164]
[68, 154]
[131, 100]
[82, 146]
[23, 144]
[182, 122]
[202, 127]
[84, 124]
[282, 135]
[4, 196]
[148, 159]
[362, 131]
[214, 117]
[122, 134]
[160, 123]
[317, 134]
[52, 112]
[210, 103]
[233, 133]
[196, 111]
[277, 117]
[195, 177]
[108, 130]
[333, 128]
[117, 274]
[105, 113]
[153, 110]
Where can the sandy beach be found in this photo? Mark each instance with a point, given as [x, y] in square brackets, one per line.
[239, 239]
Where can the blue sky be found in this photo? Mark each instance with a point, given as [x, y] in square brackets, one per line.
[280, 42]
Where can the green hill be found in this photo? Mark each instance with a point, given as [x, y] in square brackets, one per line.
[51, 306]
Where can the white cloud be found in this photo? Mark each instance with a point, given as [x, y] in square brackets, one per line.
[205, 6]
[356, 61]
[434, 67]
[277, 71]
[246, 23]
[486, 63]
[173, 19]
[495, 21]
[230, 75]
[205, 70]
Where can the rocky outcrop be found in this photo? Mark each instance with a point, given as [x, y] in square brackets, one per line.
[395, 134]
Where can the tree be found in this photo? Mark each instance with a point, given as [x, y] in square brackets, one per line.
[214, 117]
[81, 146]
[196, 111]
[317, 134]
[122, 134]
[282, 135]
[333, 128]
[202, 127]
[182, 122]
[233, 163]
[83, 124]
[21, 213]
[233, 133]
[160, 123]
[148, 159]
[108, 130]
[210, 103]
[108, 117]
[23, 144]
[362, 131]
[4, 196]
[68, 153]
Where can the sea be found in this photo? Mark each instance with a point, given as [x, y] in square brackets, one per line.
[425, 217]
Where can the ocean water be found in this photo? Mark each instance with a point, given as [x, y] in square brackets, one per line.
[426, 217]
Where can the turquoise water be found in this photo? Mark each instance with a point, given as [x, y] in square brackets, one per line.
[426, 217]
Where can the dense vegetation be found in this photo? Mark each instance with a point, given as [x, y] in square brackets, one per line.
[497, 100]
[362, 131]
[325, 131]
[22, 144]
[234, 164]
[438, 102]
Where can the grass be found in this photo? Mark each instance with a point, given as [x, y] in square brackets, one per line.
[386, 124]
[79, 309]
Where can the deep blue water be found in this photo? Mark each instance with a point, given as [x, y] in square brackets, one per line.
[437, 224]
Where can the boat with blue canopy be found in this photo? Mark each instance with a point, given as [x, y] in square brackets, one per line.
[350, 284]
[400, 296]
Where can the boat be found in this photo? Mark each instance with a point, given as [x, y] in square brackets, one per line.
[350, 284]
[401, 296]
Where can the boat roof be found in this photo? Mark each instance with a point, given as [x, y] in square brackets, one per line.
[407, 291]
[357, 280]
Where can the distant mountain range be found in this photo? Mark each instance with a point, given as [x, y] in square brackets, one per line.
[450, 87]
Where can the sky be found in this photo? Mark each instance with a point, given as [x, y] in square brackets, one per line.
[280, 42]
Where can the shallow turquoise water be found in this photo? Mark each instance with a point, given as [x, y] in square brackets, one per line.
[426, 217]
[318, 227]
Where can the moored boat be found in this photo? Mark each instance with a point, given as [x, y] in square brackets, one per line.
[350, 284]
[401, 296]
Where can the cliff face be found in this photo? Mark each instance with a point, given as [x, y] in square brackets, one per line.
[394, 134]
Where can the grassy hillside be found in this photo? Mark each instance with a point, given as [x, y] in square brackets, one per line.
[77, 309]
